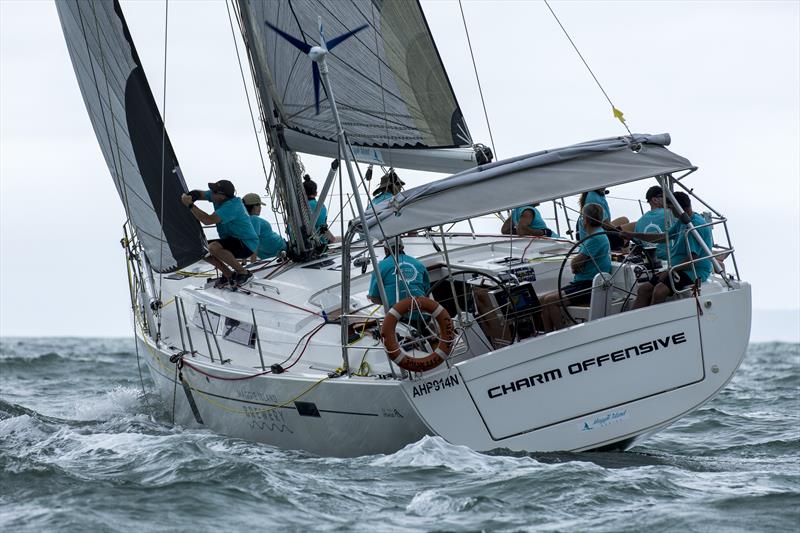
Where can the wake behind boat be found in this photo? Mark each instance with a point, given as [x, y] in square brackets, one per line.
[301, 357]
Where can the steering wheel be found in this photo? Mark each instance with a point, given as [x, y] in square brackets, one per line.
[561, 295]
[476, 273]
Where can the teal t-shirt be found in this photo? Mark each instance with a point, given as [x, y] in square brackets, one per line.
[593, 197]
[382, 197]
[235, 222]
[598, 250]
[653, 222]
[322, 219]
[679, 253]
[270, 243]
[537, 222]
[414, 273]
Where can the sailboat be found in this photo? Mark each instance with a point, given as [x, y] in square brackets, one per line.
[299, 357]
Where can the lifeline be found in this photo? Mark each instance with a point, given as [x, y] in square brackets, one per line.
[582, 366]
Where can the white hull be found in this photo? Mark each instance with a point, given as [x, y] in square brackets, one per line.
[542, 394]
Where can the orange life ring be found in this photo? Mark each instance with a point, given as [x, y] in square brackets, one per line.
[396, 352]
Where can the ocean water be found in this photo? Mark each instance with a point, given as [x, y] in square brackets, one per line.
[83, 449]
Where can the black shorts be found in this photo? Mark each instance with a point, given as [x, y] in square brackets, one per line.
[615, 240]
[679, 277]
[235, 246]
[578, 292]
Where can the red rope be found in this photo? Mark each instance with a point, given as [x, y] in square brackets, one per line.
[241, 378]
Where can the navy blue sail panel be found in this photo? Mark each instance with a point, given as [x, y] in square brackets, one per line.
[130, 131]
[391, 88]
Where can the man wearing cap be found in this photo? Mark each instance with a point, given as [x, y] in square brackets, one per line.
[657, 220]
[270, 244]
[390, 185]
[414, 275]
[237, 238]
[684, 273]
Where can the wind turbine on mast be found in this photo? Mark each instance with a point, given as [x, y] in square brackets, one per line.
[319, 66]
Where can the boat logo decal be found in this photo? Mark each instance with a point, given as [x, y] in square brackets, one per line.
[604, 420]
[586, 365]
[435, 385]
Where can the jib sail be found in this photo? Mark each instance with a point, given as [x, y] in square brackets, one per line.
[130, 131]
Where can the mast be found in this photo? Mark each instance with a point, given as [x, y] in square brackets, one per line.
[302, 234]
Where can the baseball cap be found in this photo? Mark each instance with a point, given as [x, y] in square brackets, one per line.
[223, 187]
[252, 198]
[653, 192]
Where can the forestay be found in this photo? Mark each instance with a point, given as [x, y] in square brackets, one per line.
[535, 177]
[393, 95]
[130, 131]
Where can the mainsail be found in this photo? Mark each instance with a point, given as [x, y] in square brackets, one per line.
[131, 132]
[393, 95]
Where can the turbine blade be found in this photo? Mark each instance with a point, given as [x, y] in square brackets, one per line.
[336, 40]
[297, 43]
[315, 68]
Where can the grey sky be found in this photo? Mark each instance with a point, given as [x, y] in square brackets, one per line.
[723, 78]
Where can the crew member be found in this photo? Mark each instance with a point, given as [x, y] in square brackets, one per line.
[684, 272]
[270, 244]
[237, 238]
[413, 275]
[594, 256]
[321, 224]
[657, 220]
[390, 185]
[613, 226]
[526, 220]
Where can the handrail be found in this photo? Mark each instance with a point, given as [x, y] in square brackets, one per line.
[724, 251]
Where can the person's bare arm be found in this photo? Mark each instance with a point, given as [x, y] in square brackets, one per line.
[198, 213]
[579, 262]
[647, 237]
[506, 228]
[523, 228]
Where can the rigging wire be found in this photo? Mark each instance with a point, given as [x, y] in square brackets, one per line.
[478, 79]
[246, 92]
[617, 113]
[163, 159]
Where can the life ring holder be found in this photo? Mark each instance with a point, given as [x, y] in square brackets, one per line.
[402, 358]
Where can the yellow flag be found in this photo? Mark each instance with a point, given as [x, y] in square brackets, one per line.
[618, 114]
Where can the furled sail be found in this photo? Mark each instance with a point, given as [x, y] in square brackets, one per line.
[393, 94]
[130, 131]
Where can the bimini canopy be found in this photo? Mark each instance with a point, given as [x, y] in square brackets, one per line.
[536, 177]
[391, 88]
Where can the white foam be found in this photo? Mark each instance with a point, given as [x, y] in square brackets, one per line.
[116, 402]
[434, 503]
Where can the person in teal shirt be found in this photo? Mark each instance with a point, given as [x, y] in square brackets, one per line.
[599, 197]
[414, 276]
[526, 220]
[321, 224]
[270, 244]
[389, 186]
[657, 220]
[237, 238]
[594, 256]
[684, 274]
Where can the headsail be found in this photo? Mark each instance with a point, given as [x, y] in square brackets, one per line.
[393, 93]
[129, 128]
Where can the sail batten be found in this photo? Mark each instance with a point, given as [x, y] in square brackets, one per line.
[130, 131]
